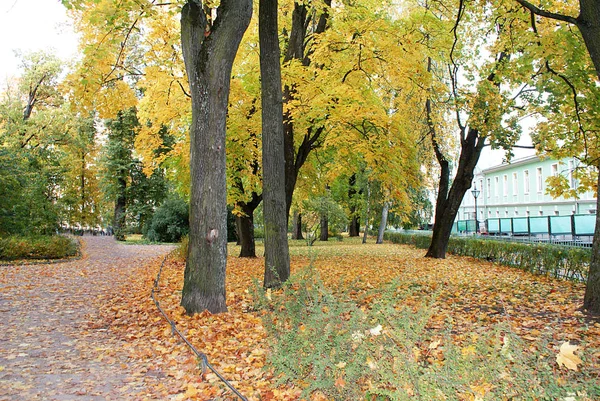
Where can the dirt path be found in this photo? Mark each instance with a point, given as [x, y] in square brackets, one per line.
[51, 345]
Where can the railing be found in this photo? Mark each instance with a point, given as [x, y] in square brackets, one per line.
[577, 229]
[204, 363]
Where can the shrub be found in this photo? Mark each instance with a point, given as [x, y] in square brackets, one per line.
[38, 247]
[557, 261]
[170, 222]
[326, 343]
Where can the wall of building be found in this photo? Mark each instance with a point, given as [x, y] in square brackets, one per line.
[519, 190]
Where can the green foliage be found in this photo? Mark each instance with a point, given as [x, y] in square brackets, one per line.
[552, 260]
[170, 222]
[37, 247]
[384, 349]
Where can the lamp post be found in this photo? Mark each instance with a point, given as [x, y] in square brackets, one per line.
[475, 193]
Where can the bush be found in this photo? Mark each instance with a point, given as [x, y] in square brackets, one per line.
[170, 222]
[552, 260]
[38, 247]
[326, 343]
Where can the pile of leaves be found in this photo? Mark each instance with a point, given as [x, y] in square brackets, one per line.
[408, 312]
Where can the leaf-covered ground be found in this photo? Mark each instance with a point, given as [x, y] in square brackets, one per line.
[472, 294]
[101, 336]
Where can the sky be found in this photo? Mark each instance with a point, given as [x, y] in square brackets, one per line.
[31, 25]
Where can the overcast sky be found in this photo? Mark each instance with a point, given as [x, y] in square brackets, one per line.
[31, 25]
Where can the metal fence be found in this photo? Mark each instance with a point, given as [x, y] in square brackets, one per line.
[573, 230]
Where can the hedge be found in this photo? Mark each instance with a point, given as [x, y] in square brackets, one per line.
[37, 247]
[553, 260]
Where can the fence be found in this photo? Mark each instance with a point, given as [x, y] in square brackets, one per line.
[573, 228]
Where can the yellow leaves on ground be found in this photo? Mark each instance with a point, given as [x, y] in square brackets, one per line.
[470, 293]
[566, 356]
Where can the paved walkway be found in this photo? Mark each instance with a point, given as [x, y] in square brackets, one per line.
[50, 346]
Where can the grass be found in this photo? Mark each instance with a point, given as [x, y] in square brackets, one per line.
[138, 239]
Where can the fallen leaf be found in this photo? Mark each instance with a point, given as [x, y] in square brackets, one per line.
[566, 356]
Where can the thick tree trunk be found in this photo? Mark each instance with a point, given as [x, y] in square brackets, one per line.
[591, 300]
[447, 206]
[383, 224]
[354, 229]
[588, 23]
[246, 232]
[324, 235]
[209, 57]
[297, 226]
[277, 258]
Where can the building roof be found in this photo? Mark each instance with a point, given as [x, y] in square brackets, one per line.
[513, 163]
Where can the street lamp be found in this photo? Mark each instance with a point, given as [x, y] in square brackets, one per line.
[475, 193]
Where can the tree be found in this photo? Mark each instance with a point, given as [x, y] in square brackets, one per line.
[568, 81]
[277, 258]
[118, 163]
[209, 50]
[484, 110]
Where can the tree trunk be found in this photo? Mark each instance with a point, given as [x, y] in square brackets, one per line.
[354, 229]
[591, 300]
[383, 224]
[448, 202]
[324, 236]
[364, 240]
[589, 25]
[277, 258]
[294, 159]
[297, 226]
[209, 56]
[120, 210]
[246, 232]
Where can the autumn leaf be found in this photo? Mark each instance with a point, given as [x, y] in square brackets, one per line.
[566, 356]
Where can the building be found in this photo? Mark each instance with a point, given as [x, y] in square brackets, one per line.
[518, 190]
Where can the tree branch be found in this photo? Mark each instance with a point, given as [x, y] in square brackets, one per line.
[547, 14]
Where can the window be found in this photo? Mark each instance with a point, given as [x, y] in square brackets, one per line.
[496, 185]
[505, 185]
[539, 179]
[515, 184]
[489, 187]
[526, 182]
[554, 169]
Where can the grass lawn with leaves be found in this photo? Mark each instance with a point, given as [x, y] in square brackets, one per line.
[381, 322]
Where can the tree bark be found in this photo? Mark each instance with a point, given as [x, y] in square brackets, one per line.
[447, 206]
[120, 209]
[324, 236]
[209, 56]
[297, 226]
[277, 259]
[366, 233]
[383, 224]
[591, 299]
[354, 228]
[246, 232]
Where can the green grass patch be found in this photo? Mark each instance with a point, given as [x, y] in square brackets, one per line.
[382, 347]
[37, 247]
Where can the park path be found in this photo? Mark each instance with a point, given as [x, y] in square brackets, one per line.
[52, 345]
